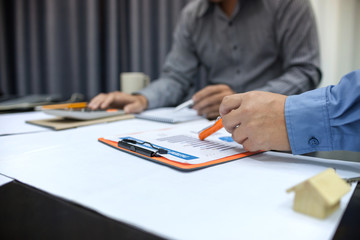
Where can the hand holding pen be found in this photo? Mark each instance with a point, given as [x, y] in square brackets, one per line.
[207, 101]
[256, 120]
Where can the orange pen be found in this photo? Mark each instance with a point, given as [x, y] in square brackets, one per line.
[112, 110]
[65, 105]
[211, 129]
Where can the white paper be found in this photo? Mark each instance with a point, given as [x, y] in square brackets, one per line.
[4, 180]
[14, 123]
[169, 115]
[183, 143]
[243, 199]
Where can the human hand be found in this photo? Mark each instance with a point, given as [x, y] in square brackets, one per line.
[130, 103]
[208, 99]
[256, 120]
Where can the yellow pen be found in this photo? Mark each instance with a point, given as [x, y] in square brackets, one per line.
[211, 129]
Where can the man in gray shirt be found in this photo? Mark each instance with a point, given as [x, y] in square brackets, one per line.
[243, 45]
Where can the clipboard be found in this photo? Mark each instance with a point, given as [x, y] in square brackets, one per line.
[186, 167]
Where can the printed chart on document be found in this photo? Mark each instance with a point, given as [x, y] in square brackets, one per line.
[184, 145]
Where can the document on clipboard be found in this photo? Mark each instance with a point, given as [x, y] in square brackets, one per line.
[184, 150]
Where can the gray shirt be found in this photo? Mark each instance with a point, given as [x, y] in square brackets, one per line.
[266, 45]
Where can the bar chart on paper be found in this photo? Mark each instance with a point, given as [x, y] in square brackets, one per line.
[189, 141]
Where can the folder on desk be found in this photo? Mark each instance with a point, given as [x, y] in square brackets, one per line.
[71, 115]
[59, 123]
[184, 150]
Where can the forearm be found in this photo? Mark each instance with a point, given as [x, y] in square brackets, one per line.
[296, 80]
[325, 119]
[163, 93]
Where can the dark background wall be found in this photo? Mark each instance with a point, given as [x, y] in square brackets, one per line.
[67, 46]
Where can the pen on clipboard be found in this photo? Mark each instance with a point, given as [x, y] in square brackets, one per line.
[186, 104]
[211, 129]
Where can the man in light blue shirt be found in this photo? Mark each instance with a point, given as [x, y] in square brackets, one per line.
[325, 119]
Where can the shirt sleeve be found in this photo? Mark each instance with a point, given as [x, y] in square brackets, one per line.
[325, 119]
[180, 68]
[296, 36]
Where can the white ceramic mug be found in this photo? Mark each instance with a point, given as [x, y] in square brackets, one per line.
[131, 82]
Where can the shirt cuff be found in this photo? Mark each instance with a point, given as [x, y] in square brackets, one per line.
[150, 97]
[307, 122]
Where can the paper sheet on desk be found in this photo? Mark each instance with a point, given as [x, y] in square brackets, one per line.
[4, 180]
[184, 145]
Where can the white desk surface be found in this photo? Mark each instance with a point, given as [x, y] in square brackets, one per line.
[14, 123]
[243, 199]
[4, 180]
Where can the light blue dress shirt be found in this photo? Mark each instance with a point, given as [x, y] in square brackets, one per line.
[325, 119]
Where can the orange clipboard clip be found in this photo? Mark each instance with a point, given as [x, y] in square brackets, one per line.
[211, 129]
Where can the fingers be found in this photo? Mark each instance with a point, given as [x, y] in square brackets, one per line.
[210, 90]
[209, 103]
[261, 120]
[137, 104]
[242, 136]
[107, 101]
[134, 107]
[233, 120]
[250, 146]
[97, 101]
[211, 109]
[104, 101]
[207, 100]
[239, 135]
[130, 103]
[230, 103]
[250, 141]
[211, 115]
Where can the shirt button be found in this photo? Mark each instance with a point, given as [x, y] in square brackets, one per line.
[313, 142]
[238, 71]
[235, 47]
[230, 23]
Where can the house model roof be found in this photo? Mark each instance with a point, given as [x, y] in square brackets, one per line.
[328, 184]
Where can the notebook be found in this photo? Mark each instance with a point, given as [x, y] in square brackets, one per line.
[168, 115]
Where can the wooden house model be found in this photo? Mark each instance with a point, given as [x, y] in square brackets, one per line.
[320, 195]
